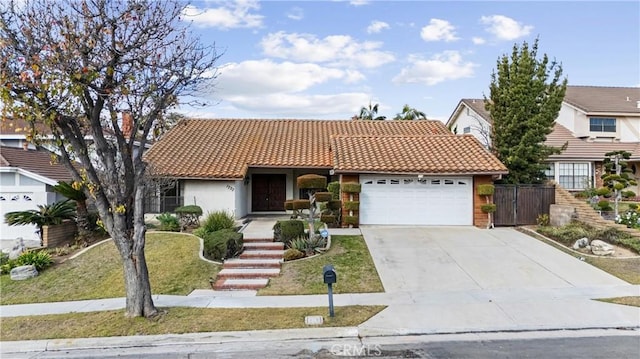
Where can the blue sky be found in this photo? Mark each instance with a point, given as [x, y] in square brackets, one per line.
[327, 59]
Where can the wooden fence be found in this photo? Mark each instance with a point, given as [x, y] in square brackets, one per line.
[518, 205]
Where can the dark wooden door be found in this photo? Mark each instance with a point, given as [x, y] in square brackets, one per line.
[268, 192]
[518, 205]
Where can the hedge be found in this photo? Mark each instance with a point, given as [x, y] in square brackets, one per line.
[486, 189]
[312, 181]
[190, 209]
[222, 244]
[334, 205]
[488, 208]
[334, 188]
[301, 204]
[351, 205]
[328, 218]
[285, 231]
[351, 187]
[323, 196]
[288, 205]
[353, 220]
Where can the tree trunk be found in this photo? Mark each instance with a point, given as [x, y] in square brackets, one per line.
[136, 280]
[84, 228]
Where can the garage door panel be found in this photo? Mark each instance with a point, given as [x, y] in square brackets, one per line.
[425, 201]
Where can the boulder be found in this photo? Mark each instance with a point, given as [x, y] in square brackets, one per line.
[601, 248]
[581, 243]
[23, 272]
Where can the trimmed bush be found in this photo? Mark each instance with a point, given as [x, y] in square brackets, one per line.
[628, 194]
[191, 209]
[603, 191]
[288, 205]
[486, 190]
[40, 259]
[285, 231]
[323, 196]
[328, 218]
[222, 244]
[334, 205]
[488, 208]
[301, 204]
[292, 254]
[218, 220]
[312, 181]
[351, 205]
[604, 205]
[168, 222]
[352, 220]
[351, 187]
[334, 188]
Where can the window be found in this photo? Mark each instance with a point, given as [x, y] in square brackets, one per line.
[381, 181]
[394, 181]
[574, 175]
[550, 172]
[466, 129]
[8, 179]
[601, 124]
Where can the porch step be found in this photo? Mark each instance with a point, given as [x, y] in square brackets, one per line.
[240, 284]
[263, 245]
[262, 254]
[252, 263]
[248, 273]
[258, 240]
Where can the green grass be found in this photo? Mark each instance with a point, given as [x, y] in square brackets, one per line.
[175, 321]
[172, 258]
[631, 301]
[353, 264]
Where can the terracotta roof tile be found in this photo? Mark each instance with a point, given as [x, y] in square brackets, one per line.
[440, 154]
[38, 162]
[582, 149]
[225, 148]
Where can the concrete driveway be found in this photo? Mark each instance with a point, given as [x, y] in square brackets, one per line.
[410, 259]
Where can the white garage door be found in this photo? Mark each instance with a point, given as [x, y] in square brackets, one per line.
[14, 202]
[417, 201]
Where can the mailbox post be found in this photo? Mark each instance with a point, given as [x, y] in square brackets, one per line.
[330, 277]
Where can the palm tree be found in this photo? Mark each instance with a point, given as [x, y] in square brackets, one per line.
[75, 193]
[370, 113]
[45, 215]
[409, 114]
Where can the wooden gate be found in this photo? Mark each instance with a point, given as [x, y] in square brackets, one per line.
[521, 204]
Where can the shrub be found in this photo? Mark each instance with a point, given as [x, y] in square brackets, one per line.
[168, 222]
[351, 205]
[352, 220]
[323, 196]
[308, 245]
[351, 187]
[218, 220]
[39, 259]
[189, 210]
[285, 231]
[334, 205]
[486, 189]
[488, 208]
[328, 218]
[6, 264]
[630, 218]
[312, 181]
[222, 244]
[628, 194]
[288, 205]
[543, 219]
[292, 254]
[603, 191]
[568, 234]
[301, 204]
[334, 188]
[200, 232]
[604, 205]
[633, 206]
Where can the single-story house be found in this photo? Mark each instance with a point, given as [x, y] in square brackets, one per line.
[26, 176]
[411, 172]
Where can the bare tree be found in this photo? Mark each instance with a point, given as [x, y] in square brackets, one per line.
[75, 67]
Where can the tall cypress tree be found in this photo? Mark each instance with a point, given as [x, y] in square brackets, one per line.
[526, 95]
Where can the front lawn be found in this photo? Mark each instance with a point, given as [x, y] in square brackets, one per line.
[172, 258]
[353, 264]
[176, 321]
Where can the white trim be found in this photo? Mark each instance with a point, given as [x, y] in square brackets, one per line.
[30, 174]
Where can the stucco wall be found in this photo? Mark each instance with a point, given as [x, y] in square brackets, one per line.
[21, 193]
[211, 196]
[478, 126]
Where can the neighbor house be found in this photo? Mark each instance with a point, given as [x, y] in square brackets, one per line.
[592, 121]
[411, 172]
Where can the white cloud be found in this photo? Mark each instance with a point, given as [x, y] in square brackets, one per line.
[301, 105]
[438, 30]
[295, 13]
[335, 50]
[228, 16]
[441, 67]
[260, 77]
[359, 2]
[478, 40]
[377, 26]
[505, 28]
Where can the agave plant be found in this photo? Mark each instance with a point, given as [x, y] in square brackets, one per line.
[45, 215]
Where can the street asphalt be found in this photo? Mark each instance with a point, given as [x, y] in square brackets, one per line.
[437, 280]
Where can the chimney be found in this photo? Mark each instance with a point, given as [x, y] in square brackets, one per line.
[127, 125]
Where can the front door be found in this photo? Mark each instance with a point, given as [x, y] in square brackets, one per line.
[268, 192]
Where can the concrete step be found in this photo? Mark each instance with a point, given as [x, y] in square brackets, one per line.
[240, 284]
[262, 254]
[259, 240]
[263, 245]
[252, 263]
[248, 273]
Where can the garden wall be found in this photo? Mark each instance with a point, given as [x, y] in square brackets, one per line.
[59, 235]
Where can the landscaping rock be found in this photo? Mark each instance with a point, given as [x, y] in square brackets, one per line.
[23, 272]
[17, 249]
[601, 248]
[581, 243]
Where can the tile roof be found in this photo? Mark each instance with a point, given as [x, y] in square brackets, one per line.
[38, 162]
[592, 99]
[439, 154]
[225, 148]
[582, 149]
